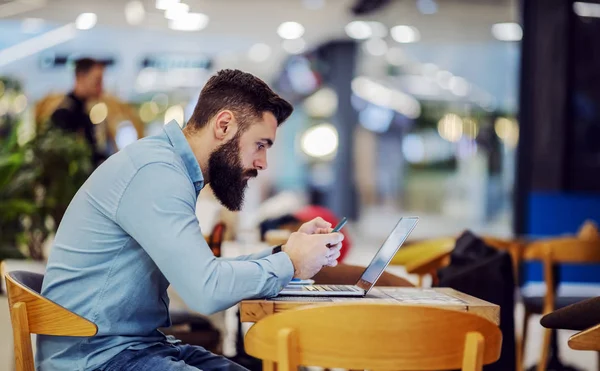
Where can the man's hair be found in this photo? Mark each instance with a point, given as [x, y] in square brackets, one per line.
[84, 65]
[244, 94]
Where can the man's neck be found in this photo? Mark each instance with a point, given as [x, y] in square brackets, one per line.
[202, 148]
[79, 94]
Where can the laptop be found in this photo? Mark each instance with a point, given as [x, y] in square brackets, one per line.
[371, 274]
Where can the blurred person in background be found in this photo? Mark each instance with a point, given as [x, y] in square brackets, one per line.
[132, 230]
[71, 115]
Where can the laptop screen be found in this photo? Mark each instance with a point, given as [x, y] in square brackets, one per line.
[386, 252]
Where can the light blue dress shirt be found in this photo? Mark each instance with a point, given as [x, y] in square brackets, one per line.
[129, 232]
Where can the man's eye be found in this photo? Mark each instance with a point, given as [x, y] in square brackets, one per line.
[261, 146]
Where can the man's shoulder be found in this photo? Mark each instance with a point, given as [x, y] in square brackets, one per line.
[151, 151]
[66, 105]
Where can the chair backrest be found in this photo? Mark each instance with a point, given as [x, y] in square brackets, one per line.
[31, 313]
[562, 250]
[215, 240]
[375, 336]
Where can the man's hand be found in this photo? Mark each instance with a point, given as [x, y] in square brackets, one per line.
[309, 252]
[317, 225]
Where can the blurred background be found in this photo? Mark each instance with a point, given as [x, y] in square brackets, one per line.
[477, 115]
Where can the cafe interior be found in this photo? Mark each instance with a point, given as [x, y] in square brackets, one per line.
[476, 117]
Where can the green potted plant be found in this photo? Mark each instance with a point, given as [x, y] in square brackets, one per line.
[38, 179]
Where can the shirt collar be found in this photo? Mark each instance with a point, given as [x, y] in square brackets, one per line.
[182, 147]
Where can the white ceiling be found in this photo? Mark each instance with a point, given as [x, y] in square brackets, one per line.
[456, 20]
[235, 25]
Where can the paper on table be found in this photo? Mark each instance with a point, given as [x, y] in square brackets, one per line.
[422, 296]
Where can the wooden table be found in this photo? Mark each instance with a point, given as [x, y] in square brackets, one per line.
[255, 310]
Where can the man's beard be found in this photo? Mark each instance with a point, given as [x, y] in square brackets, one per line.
[227, 176]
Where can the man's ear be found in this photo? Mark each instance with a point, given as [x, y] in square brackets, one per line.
[224, 123]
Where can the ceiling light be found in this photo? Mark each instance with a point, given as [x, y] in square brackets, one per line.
[177, 11]
[165, 4]
[508, 31]
[405, 34]
[148, 111]
[470, 128]
[290, 30]
[85, 21]
[135, 12]
[296, 46]
[320, 140]
[376, 47]
[358, 30]
[323, 103]
[586, 9]
[98, 113]
[189, 22]
[450, 127]
[175, 113]
[37, 44]
[259, 52]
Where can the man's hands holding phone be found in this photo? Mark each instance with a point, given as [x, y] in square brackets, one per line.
[313, 247]
[309, 252]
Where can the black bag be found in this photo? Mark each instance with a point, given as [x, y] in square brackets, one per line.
[485, 273]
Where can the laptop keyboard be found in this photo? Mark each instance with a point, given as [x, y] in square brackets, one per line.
[329, 288]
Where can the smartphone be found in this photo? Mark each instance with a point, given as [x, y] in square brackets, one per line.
[340, 225]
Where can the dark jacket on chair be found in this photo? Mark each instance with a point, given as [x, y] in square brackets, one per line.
[486, 273]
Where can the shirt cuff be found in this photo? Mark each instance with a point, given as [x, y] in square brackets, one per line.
[283, 270]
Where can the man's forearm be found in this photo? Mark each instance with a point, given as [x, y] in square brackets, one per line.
[227, 282]
[258, 255]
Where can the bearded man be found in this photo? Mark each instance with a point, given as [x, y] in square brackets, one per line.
[131, 231]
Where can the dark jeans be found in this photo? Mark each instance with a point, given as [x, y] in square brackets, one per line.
[170, 357]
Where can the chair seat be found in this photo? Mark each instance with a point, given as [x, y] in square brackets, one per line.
[566, 294]
[536, 304]
[578, 316]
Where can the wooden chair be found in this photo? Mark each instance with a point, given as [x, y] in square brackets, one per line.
[552, 252]
[33, 314]
[587, 340]
[375, 337]
[215, 240]
[425, 257]
[583, 316]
